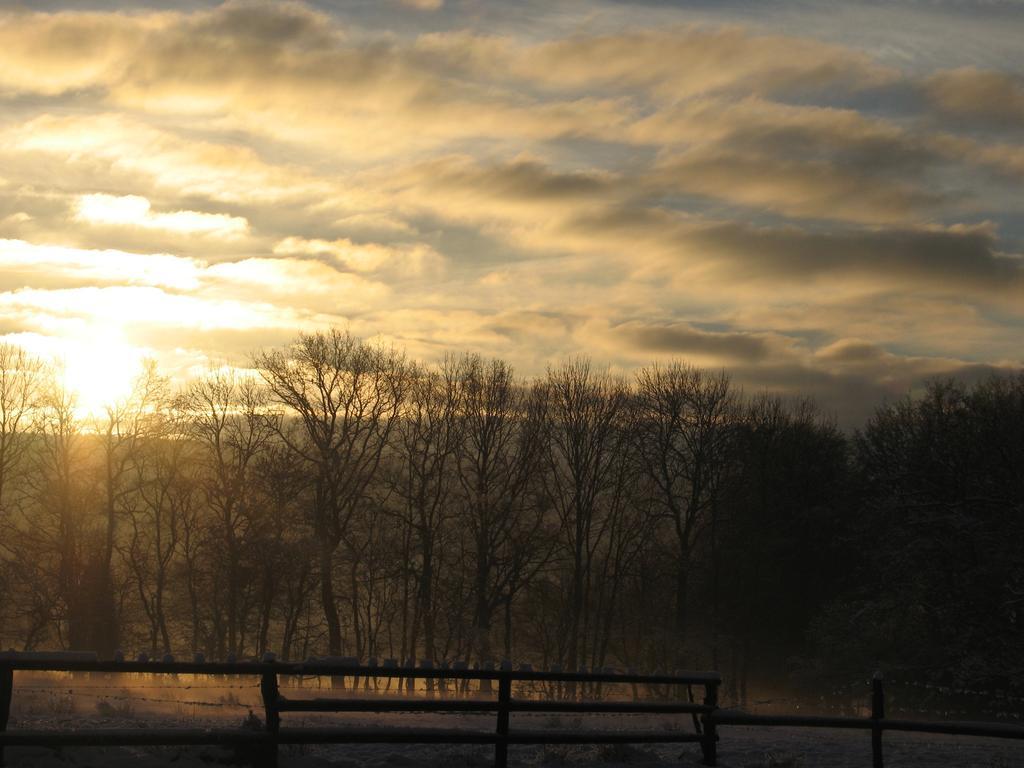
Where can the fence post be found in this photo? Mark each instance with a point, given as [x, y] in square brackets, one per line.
[6, 692]
[504, 699]
[877, 714]
[271, 694]
[709, 744]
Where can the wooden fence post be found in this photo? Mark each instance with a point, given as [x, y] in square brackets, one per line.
[271, 694]
[6, 692]
[709, 744]
[877, 714]
[504, 699]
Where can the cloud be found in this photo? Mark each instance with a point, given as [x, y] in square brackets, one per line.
[522, 192]
[801, 161]
[520, 179]
[985, 96]
[798, 187]
[75, 308]
[684, 61]
[607, 219]
[950, 260]
[528, 339]
[135, 211]
[26, 264]
[244, 43]
[414, 260]
[286, 71]
[682, 339]
[52, 53]
[51, 285]
[298, 284]
[129, 151]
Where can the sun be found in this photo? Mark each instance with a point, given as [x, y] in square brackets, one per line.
[100, 370]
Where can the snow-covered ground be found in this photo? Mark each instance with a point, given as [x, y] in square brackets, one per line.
[739, 748]
[63, 704]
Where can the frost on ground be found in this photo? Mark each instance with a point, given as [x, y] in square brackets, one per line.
[738, 748]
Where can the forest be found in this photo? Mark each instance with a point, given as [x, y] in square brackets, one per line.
[337, 498]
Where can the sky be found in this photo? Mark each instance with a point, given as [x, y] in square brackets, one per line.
[822, 198]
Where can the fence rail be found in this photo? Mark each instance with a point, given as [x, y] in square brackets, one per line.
[264, 744]
[706, 714]
[877, 723]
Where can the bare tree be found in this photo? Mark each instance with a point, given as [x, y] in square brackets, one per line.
[165, 500]
[586, 438]
[22, 379]
[684, 424]
[281, 547]
[228, 416]
[343, 398]
[55, 533]
[429, 435]
[126, 425]
[622, 546]
[499, 462]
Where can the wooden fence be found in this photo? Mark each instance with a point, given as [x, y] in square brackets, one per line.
[707, 716]
[264, 744]
[877, 723]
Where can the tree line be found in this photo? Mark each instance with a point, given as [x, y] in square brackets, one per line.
[340, 499]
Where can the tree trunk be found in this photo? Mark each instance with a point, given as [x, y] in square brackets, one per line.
[508, 628]
[327, 601]
[482, 628]
[682, 584]
[427, 600]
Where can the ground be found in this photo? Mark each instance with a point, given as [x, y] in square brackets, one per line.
[739, 748]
